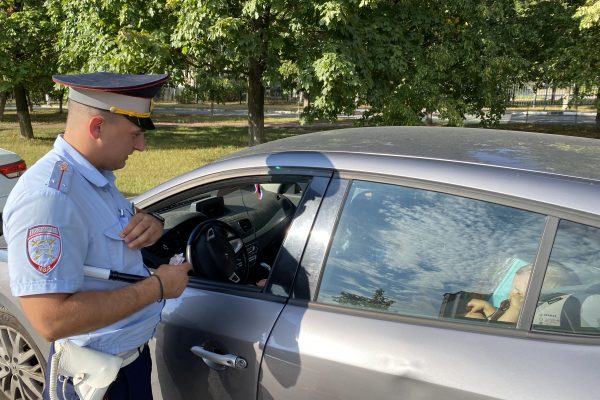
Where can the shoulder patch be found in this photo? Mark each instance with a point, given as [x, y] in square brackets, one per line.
[61, 177]
[44, 247]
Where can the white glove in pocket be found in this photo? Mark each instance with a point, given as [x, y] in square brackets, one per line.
[92, 371]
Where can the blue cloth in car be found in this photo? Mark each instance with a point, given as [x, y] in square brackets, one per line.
[502, 291]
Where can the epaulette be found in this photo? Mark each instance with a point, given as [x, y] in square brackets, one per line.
[61, 177]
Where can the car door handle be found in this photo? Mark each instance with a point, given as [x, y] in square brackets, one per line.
[219, 361]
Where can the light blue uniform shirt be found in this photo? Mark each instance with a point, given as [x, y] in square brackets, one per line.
[63, 214]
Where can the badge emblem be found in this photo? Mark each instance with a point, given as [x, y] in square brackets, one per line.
[44, 247]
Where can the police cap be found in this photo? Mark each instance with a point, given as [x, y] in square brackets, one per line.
[125, 94]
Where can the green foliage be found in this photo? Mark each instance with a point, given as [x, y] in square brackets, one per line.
[220, 89]
[188, 95]
[26, 54]
[404, 59]
[589, 14]
[237, 40]
[566, 55]
[120, 36]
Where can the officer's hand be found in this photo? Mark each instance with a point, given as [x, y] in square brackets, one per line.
[174, 278]
[142, 230]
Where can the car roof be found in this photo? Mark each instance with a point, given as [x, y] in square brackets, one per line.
[554, 170]
[539, 152]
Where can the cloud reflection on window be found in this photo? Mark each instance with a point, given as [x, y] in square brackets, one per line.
[417, 245]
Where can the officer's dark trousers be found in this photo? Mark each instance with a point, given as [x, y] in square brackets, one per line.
[132, 383]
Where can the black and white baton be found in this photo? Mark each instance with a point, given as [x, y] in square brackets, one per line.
[108, 274]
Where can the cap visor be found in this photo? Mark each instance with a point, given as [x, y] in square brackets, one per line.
[144, 123]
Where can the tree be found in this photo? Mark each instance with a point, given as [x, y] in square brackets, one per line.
[403, 59]
[567, 54]
[589, 23]
[3, 98]
[239, 39]
[27, 58]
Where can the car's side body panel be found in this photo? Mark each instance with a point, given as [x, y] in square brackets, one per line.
[219, 322]
[320, 352]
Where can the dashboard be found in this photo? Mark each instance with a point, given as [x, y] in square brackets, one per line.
[258, 216]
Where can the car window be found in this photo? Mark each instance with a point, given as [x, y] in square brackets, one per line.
[234, 229]
[570, 297]
[422, 253]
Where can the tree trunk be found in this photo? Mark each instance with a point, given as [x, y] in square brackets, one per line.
[3, 96]
[256, 104]
[23, 112]
[29, 102]
[61, 96]
[305, 98]
[598, 109]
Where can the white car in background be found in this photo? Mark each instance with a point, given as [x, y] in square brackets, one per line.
[11, 167]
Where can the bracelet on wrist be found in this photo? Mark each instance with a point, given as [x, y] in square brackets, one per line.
[157, 216]
[162, 291]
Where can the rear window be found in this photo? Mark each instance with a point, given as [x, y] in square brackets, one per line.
[570, 297]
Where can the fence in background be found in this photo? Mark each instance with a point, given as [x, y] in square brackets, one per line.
[552, 98]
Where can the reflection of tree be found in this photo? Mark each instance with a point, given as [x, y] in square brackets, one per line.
[378, 300]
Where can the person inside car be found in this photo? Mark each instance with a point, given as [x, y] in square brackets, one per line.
[509, 309]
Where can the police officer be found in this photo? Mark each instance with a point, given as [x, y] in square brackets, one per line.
[66, 212]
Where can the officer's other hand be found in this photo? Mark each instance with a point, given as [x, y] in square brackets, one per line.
[174, 278]
[142, 230]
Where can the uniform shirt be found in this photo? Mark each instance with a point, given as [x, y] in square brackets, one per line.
[63, 214]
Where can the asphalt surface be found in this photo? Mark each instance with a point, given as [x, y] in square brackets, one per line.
[532, 117]
[549, 117]
[512, 116]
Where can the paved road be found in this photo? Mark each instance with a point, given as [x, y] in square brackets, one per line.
[550, 117]
[532, 117]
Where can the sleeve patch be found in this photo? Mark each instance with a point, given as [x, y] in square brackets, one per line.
[44, 247]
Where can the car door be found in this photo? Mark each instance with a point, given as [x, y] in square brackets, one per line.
[389, 282]
[211, 339]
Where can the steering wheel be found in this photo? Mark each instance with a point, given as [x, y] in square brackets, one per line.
[217, 252]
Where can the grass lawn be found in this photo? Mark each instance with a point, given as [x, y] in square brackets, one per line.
[172, 149]
[185, 142]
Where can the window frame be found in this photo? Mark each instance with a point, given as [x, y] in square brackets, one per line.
[295, 239]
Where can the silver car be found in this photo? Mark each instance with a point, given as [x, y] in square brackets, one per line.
[381, 263]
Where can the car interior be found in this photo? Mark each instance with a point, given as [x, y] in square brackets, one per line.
[231, 233]
[565, 308]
